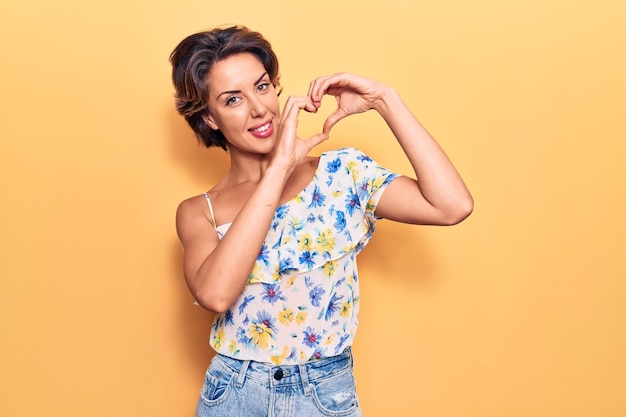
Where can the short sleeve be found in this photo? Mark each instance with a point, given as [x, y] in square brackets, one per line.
[370, 181]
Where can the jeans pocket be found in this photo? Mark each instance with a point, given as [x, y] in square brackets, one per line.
[336, 395]
[216, 386]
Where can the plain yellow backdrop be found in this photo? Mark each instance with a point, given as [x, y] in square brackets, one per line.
[520, 311]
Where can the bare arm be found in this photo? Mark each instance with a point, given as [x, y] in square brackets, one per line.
[216, 271]
[439, 196]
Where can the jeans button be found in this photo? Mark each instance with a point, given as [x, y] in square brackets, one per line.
[278, 375]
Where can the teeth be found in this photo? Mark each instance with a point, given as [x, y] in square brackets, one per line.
[262, 128]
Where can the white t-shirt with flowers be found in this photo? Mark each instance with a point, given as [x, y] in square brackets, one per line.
[302, 298]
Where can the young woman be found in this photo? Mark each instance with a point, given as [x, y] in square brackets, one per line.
[271, 248]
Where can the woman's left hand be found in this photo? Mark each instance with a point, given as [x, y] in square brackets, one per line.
[354, 94]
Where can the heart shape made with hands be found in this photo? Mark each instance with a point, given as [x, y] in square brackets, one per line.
[312, 123]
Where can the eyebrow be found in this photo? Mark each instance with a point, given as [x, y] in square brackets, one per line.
[239, 91]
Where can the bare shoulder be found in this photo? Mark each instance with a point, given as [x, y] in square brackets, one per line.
[192, 214]
[191, 205]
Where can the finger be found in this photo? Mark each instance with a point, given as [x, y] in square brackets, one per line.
[299, 103]
[318, 88]
[326, 85]
[334, 117]
[289, 115]
[315, 140]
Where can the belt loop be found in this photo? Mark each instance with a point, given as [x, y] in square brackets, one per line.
[306, 385]
[242, 373]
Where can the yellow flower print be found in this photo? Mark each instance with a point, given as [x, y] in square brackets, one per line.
[329, 268]
[286, 316]
[232, 346]
[337, 193]
[344, 311]
[260, 335]
[329, 340]
[325, 241]
[377, 182]
[301, 317]
[305, 243]
[296, 224]
[298, 199]
[276, 274]
[218, 339]
[278, 359]
[290, 281]
[256, 274]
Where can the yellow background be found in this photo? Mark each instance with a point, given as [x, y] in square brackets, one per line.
[519, 311]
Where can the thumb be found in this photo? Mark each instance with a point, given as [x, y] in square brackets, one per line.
[315, 140]
[336, 116]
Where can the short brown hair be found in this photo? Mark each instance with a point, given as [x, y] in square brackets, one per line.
[191, 62]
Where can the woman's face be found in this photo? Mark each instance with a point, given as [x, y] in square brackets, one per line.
[243, 104]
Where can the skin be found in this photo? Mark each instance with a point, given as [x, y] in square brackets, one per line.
[270, 165]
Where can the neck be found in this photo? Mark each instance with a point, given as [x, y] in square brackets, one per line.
[247, 167]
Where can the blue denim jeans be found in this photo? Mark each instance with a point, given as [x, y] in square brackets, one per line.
[235, 388]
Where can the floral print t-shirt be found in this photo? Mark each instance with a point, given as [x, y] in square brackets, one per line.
[302, 298]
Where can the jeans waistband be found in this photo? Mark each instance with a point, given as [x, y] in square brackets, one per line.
[286, 375]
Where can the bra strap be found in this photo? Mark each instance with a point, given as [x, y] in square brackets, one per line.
[208, 200]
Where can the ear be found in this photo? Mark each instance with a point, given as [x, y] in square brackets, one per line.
[209, 120]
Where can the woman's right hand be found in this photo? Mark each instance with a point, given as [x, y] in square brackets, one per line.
[290, 150]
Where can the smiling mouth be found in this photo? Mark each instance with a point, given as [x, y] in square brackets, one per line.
[261, 128]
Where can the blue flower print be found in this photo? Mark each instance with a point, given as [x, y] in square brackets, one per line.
[282, 211]
[352, 202]
[285, 265]
[342, 341]
[265, 318]
[292, 354]
[317, 199]
[316, 294]
[308, 282]
[271, 293]
[246, 300]
[311, 339]
[263, 255]
[364, 158]
[333, 165]
[333, 306]
[363, 190]
[340, 221]
[308, 258]
[242, 337]
[318, 354]
[228, 318]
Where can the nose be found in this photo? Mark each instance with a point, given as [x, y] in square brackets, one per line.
[257, 108]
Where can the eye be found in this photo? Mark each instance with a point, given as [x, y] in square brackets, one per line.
[232, 101]
[263, 86]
